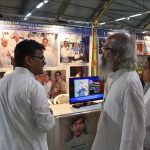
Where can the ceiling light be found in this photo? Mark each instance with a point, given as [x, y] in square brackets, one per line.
[39, 5]
[144, 31]
[25, 18]
[135, 15]
[102, 23]
[29, 14]
[120, 19]
[45, 1]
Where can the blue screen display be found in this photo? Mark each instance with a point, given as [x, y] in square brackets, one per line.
[85, 89]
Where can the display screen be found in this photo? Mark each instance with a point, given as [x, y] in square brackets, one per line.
[85, 89]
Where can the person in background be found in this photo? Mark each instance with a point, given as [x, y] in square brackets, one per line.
[15, 38]
[5, 54]
[50, 56]
[146, 78]
[10, 71]
[65, 53]
[25, 117]
[122, 121]
[79, 140]
[81, 90]
[47, 83]
[79, 72]
[59, 86]
[145, 74]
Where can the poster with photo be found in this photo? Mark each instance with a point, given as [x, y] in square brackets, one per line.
[54, 82]
[50, 42]
[79, 71]
[140, 44]
[8, 41]
[147, 45]
[68, 137]
[74, 48]
[10, 38]
[143, 44]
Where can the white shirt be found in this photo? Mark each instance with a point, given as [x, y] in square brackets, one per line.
[24, 114]
[50, 57]
[47, 86]
[147, 105]
[122, 122]
[65, 52]
[84, 142]
[4, 57]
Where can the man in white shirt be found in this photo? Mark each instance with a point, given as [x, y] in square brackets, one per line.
[59, 86]
[49, 54]
[25, 117]
[5, 54]
[65, 53]
[122, 122]
[146, 79]
[47, 83]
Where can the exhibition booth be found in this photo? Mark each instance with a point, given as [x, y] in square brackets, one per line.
[73, 52]
[68, 50]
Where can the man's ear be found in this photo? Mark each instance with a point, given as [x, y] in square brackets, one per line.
[28, 60]
[116, 56]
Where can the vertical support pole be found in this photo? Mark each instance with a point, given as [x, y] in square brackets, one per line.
[95, 51]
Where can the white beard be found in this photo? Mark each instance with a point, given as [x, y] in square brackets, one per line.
[106, 65]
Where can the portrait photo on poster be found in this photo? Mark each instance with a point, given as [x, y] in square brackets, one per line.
[10, 38]
[78, 131]
[79, 71]
[74, 48]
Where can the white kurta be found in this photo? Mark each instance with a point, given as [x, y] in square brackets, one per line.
[147, 105]
[47, 86]
[122, 122]
[24, 114]
[50, 57]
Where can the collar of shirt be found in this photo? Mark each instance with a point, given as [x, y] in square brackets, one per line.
[23, 70]
[146, 87]
[79, 136]
[117, 74]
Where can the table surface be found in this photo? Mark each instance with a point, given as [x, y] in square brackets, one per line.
[67, 109]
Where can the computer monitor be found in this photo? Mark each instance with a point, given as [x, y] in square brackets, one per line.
[84, 90]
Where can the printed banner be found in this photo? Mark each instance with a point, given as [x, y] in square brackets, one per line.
[75, 132]
[21, 25]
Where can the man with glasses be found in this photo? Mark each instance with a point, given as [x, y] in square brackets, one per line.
[122, 122]
[146, 79]
[25, 117]
[59, 86]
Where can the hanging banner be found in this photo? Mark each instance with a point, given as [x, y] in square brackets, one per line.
[21, 25]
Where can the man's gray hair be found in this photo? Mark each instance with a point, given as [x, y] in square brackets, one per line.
[123, 46]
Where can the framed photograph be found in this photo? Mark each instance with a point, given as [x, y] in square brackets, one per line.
[79, 71]
[74, 48]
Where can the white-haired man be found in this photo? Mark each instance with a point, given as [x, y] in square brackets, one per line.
[122, 121]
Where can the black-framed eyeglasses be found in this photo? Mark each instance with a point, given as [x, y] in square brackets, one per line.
[42, 58]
